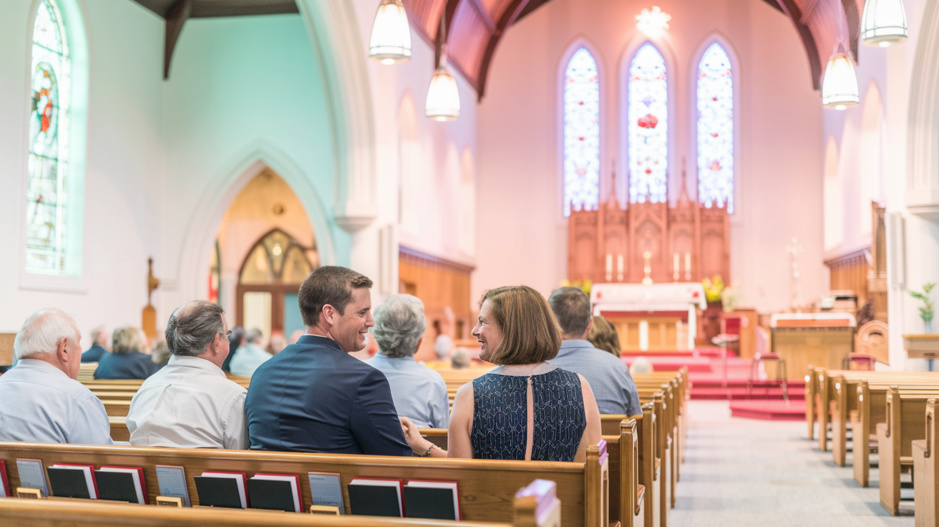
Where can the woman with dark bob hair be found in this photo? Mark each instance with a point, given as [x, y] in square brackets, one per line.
[526, 408]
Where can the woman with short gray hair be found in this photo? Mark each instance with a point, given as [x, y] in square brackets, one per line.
[129, 357]
[419, 393]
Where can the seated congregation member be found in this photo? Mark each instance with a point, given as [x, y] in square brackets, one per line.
[41, 400]
[235, 341]
[419, 392]
[603, 336]
[491, 418]
[608, 376]
[190, 403]
[250, 356]
[99, 341]
[127, 359]
[313, 396]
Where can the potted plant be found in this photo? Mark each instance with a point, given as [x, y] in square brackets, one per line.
[928, 310]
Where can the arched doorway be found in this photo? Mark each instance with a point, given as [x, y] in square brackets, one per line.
[266, 296]
[265, 247]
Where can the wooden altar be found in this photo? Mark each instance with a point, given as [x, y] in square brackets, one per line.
[651, 317]
[686, 243]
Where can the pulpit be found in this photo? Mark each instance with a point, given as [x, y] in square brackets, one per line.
[812, 339]
[650, 317]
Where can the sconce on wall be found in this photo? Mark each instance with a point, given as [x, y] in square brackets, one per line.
[390, 41]
[839, 83]
[883, 22]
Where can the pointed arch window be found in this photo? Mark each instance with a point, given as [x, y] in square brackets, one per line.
[581, 133]
[715, 129]
[647, 116]
[47, 199]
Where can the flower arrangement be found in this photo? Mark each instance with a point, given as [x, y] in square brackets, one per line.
[928, 309]
[713, 287]
[582, 284]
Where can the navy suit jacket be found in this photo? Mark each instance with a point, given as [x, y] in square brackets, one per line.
[315, 397]
[131, 365]
[94, 353]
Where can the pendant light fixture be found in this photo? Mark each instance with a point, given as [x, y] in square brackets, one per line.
[390, 41]
[883, 22]
[443, 97]
[839, 83]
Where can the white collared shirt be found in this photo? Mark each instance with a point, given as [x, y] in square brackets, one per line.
[189, 403]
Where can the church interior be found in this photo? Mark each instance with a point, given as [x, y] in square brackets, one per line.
[679, 160]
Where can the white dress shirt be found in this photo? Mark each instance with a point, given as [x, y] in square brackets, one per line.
[419, 393]
[40, 403]
[189, 403]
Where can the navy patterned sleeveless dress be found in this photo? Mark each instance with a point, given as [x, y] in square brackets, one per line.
[500, 415]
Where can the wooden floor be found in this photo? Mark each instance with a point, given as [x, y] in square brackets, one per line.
[744, 472]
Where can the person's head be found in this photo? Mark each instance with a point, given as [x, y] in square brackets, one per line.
[254, 336]
[295, 336]
[277, 343]
[399, 325]
[641, 365]
[128, 339]
[51, 336]
[160, 352]
[516, 326]
[199, 329]
[603, 336]
[99, 336]
[571, 306]
[336, 302]
[460, 359]
[237, 338]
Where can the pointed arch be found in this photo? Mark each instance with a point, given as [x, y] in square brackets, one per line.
[58, 98]
[581, 130]
[647, 124]
[715, 99]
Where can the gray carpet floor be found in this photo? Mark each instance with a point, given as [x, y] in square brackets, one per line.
[751, 472]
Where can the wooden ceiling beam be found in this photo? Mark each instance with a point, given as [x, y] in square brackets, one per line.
[792, 10]
[853, 20]
[483, 14]
[507, 18]
[176, 17]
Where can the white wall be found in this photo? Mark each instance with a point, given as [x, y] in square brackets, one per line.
[521, 235]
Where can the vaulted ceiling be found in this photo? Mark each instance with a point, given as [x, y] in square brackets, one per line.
[474, 28]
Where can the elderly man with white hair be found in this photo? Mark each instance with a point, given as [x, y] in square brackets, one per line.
[42, 401]
[419, 393]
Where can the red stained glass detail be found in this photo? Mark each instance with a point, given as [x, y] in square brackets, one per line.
[648, 171]
[648, 121]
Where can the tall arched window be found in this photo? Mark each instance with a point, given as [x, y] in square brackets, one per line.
[647, 116]
[581, 133]
[47, 198]
[715, 123]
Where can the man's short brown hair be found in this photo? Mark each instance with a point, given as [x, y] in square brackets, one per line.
[529, 331]
[571, 306]
[331, 285]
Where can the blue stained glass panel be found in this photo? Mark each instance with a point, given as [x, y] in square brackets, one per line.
[46, 224]
[581, 133]
[715, 127]
[647, 89]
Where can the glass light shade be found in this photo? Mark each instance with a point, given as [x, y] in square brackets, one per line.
[883, 22]
[443, 97]
[390, 41]
[839, 84]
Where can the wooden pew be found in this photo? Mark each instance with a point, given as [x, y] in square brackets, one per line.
[905, 423]
[846, 402]
[116, 407]
[487, 488]
[871, 403]
[534, 505]
[119, 431]
[926, 489]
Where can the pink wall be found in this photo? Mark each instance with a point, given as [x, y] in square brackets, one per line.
[521, 236]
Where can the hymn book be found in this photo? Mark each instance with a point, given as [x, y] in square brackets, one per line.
[326, 490]
[121, 484]
[32, 475]
[172, 482]
[222, 489]
[438, 500]
[5, 491]
[73, 481]
[376, 497]
[280, 492]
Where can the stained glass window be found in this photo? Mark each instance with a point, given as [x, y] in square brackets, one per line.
[647, 94]
[48, 145]
[581, 133]
[716, 129]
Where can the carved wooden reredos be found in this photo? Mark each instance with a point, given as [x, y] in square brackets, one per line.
[608, 245]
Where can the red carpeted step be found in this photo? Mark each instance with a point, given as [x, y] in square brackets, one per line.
[769, 410]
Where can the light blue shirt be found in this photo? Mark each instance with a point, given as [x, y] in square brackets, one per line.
[247, 359]
[40, 403]
[419, 393]
[609, 379]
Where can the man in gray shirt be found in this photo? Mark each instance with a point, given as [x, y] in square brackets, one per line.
[607, 375]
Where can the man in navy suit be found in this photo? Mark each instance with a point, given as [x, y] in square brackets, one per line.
[313, 396]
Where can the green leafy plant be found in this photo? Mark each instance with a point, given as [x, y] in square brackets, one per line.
[928, 310]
